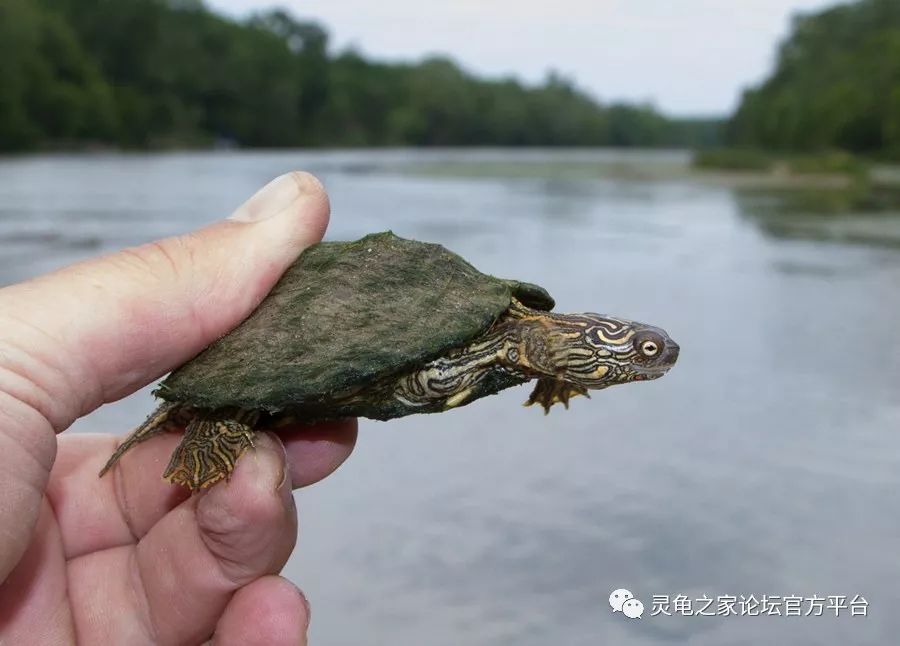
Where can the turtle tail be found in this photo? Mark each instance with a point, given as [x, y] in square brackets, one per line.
[170, 416]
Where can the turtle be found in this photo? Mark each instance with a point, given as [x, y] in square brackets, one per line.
[384, 327]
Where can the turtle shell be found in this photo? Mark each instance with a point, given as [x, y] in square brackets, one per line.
[343, 315]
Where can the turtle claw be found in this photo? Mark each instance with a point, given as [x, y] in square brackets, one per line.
[549, 391]
[208, 452]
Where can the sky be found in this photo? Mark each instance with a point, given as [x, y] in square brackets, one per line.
[686, 57]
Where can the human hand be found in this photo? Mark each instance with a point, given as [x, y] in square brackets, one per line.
[129, 558]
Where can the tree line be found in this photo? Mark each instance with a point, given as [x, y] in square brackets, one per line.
[171, 73]
[836, 85]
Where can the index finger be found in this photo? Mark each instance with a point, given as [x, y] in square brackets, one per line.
[120, 508]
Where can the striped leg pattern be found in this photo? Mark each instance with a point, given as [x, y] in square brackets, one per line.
[209, 451]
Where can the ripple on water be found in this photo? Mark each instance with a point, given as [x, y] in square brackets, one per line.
[766, 462]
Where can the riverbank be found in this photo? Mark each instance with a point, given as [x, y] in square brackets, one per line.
[835, 172]
[764, 169]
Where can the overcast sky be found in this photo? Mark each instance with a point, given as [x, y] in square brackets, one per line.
[689, 57]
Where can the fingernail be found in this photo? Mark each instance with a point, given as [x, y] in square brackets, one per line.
[275, 197]
[285, 470]
[306, 605]
[270, 463]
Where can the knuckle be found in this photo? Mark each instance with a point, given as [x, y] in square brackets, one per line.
[169, 259]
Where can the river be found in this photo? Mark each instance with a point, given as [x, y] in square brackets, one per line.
[767, 462]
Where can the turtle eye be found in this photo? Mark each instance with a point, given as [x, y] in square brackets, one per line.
[650, 348]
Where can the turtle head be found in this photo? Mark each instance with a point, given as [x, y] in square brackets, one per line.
[610, 350]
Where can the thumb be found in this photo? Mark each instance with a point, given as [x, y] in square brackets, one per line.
[101, 329]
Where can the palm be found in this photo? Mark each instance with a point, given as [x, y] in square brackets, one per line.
[131, 559]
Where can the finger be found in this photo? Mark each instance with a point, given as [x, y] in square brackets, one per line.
[25, 462]
[316, 451]
[232, 535]
[175, 584]
[271, 611]
[120, 508]
[98, 330]
[33, 604]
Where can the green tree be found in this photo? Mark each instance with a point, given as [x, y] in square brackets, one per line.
[49, 87]
[161, 73]
[835, 85]
[20, 27]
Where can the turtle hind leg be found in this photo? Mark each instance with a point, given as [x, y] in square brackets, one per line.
[549, 391]
[208, 452]
[168, 417]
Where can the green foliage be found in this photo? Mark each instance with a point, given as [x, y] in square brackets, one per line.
[20, 28]
[834, 162]
[161, 73]
[738, 159]
[827, 163]
[836, 85]
[696, 133]
[49, 87]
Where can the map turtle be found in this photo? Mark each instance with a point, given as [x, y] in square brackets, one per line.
[384, 327]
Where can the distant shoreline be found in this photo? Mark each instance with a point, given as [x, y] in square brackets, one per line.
[566, 163]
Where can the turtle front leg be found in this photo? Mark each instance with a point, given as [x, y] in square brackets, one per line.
[208, 452]
[168, 417]
[549, 391]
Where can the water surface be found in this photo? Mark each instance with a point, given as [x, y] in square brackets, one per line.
[767, 462]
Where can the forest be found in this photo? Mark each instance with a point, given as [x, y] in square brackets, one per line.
[171, 73]
[835, 86]
[150, 74]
